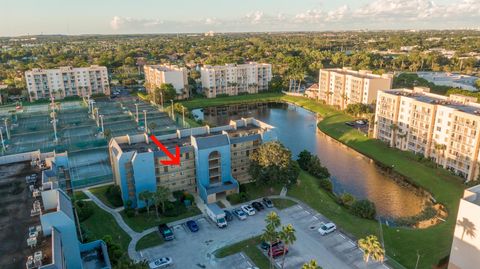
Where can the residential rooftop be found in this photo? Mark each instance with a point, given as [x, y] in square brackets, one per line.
[459, 102]
[360, 73]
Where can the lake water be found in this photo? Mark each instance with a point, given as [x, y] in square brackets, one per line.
[351, 172]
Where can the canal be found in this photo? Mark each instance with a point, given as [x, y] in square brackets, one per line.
[351, 172]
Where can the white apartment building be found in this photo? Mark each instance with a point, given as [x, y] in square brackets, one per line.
[157, 75]
[67, 81]
[340, 87]
[234, 79]
[465, 252]
[445, 129]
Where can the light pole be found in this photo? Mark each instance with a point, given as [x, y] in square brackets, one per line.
[161, 99]
[101, 122]
[173, 115]
[96, 117]
[183, 116]
[1, 137]
[6, 128]
[145, 115]
[136, 112]
[54, 122]
[88, 103]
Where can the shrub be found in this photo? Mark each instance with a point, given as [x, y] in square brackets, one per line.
[325, 184]
[316, 169]
[174, 209]
[427, 213]
[346, 199]
[84, 210]
[237, 198]
[304, 159]
[364, 209]
[114, 195]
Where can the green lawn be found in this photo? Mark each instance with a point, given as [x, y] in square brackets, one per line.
[150, 240]
[283, 203]
[401, 243]
[101, 223]
[143, 221]
[249, 247]
[100, 192]
[79, 195]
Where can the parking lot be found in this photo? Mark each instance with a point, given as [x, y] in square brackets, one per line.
[192, 250]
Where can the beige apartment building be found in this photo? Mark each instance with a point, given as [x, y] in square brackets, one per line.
[445, 129]
[157, 75]
[67, 81]
[234, 79]
[340, 87]
[466, 240]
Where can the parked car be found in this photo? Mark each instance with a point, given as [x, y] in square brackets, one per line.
[267, 202]
[240, 214]
[258, 206]
[248, 209]
[277, 251]
[265, 245]
[192, 226]
[228, 215]
[166, 232]
[326, 228]
[160, 263]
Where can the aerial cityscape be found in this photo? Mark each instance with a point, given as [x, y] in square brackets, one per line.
[240, 135]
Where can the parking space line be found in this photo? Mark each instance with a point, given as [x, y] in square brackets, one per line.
[352, 243]
[341, 235]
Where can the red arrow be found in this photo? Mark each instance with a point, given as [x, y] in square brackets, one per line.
[174, 160]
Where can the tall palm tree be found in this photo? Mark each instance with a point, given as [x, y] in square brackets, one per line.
[146, 197]
[161, 196]
[287, 235]
[312, 264]
[394, 129]
[270, 235]
[371, 248]
[468, 227]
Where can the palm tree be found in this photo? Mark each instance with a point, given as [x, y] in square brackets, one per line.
[371, 247]
[161, 196]
[394, 129]
[287, 235]
[468, 227]
[442, 148]
[270, 235]
[312, 264]
[146, 197]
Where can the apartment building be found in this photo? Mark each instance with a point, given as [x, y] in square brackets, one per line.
[213, 162]
[234, 79]
[157, 75]
[67, 81]
[466, 242]
[445, 129]
[340, 87]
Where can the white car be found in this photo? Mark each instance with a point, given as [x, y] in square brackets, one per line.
[248, 209]
[326, 228]
[160, 263]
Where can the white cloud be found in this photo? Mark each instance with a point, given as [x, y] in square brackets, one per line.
[378, 14]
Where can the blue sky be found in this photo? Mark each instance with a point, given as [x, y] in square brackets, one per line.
[20, 17]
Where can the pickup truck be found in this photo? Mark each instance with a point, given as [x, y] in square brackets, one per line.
[166, 232]
[216, 214]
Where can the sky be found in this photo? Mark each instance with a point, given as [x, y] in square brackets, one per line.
[73, 17]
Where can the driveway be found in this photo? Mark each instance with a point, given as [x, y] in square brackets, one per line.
[195, 250]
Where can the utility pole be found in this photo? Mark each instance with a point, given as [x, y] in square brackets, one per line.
[96, 117]
[1, 137]
[54, 122]
[145, 115]
[136, 113]
[6, 128]
[88, 103]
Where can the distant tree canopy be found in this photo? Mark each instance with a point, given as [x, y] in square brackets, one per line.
[358, 109]
[477, 84]
[272, 163]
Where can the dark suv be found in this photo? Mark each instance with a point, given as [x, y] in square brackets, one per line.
[166, 232]
[258, 206]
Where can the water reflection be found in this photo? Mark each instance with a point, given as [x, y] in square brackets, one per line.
[351, 171]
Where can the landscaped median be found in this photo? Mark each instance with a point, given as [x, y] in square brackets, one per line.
[250, 248]
[402, 244]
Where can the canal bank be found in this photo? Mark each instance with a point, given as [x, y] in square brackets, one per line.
[402, 244]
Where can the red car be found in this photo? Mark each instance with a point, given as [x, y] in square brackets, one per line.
[278, 251]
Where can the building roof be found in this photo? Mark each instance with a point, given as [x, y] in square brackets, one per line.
[241, 139]
[212, 141]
